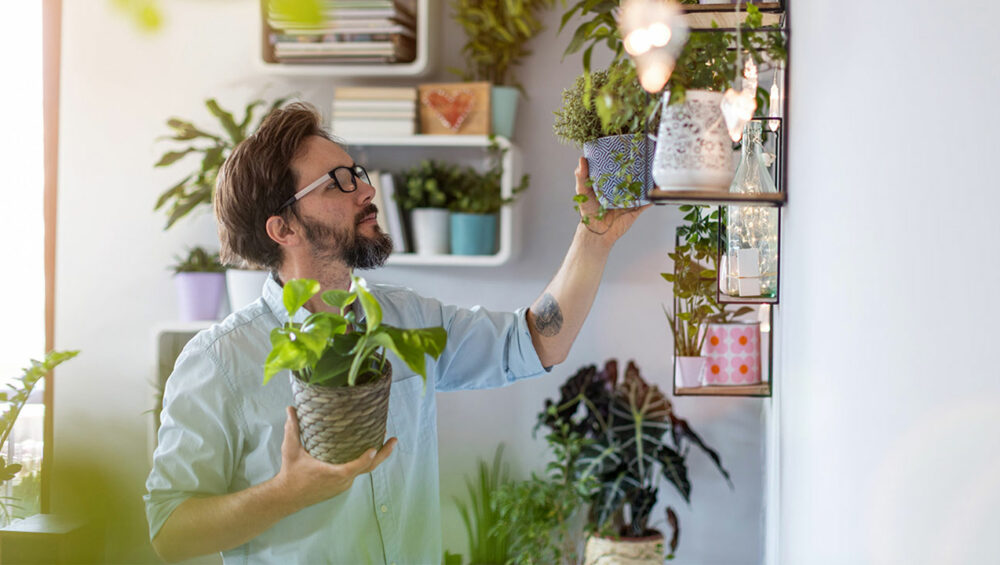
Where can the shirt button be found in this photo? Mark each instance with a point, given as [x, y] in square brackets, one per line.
[384, 510]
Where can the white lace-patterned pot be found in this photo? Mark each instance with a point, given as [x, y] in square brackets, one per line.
[624, 551]
[693, 148]
[605, 156]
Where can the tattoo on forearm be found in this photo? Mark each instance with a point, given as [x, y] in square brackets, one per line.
[548, 316]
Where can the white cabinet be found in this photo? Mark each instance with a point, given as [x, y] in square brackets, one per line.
[399, 153]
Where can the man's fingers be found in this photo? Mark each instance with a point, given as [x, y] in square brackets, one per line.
[291, 428]
[383, 453]
[582, 173]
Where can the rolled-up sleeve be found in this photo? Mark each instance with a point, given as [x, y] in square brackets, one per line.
[199, 437]
[485, 349]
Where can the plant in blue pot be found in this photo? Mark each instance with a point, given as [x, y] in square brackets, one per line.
[606, 112]
[476, 207]
[496, 33]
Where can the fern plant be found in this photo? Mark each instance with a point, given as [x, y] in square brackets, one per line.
[487, 544]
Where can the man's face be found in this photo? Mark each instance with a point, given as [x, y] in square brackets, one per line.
[339, 226]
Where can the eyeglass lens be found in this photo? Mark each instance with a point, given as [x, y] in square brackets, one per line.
[345, 177]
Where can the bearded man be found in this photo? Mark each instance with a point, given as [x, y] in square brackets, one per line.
[229, 473]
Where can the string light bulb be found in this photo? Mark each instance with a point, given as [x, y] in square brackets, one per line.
[653, 33]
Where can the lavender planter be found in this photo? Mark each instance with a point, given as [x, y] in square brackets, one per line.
[605, 156]
[199, 295]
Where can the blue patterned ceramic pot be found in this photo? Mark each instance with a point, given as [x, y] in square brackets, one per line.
[620, 169]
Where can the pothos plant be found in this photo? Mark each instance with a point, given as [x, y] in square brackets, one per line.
[635, 442]
[332, 349]
[13, 402]
[198, 186]
[694, 279]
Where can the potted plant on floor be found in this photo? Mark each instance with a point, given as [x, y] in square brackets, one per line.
[487, 545]
[475, 209]
[339, 372]
[611, 128]
[197, 189]
[636, 441]
[496, 33]
[13, 402]
[426, 193]
[201, 283]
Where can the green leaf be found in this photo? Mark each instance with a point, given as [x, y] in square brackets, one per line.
[286, 354]
[171, 157]
[412, 345]
[339, 298]
[373, 312]
[297, 292]
[325, 325]
[226, 119]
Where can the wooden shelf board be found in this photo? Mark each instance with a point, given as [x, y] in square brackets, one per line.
[423, 140]
[700, 16]
[660, 196]
[762, 389]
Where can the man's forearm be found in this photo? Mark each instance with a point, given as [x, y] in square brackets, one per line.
[200, 526]
[557, 315]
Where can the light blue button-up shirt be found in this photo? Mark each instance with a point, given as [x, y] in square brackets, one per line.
[222, 430]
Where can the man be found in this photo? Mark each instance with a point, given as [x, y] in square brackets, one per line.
[225, 477]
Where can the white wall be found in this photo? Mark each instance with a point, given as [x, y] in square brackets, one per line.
[890, 399]
[113, 287]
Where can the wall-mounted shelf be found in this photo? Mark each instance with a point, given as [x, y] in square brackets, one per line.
[421, 64]
[714, 198]
[386, 153]
[701, 16]
[762, 389]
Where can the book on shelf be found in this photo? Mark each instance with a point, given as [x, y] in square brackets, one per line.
[375, 114]
[373, 127]
[375, 93]
[377, 200]
[374, 104]
[393, 214]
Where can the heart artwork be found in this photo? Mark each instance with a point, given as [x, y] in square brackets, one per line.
[738, 106]
[451, 107]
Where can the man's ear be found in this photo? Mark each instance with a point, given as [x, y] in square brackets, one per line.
[279, 230]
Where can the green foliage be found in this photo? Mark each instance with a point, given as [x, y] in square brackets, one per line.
[599, 26]
[487, 543]
[145, 14]
[694, 279]
[13, 402]
[431, 184]
[198, 261]
[496, 32]
[302, 12]
[479, 193]
[707, 61]
[323, 349]
[536, 514]
[621, 106]
[197, 187]
[634, 441]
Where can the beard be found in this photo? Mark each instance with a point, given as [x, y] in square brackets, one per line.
[348, 245]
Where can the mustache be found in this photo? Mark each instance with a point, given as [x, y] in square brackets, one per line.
[369, 210]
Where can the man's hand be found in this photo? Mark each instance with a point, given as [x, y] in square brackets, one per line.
[307, 480]
[615, 222]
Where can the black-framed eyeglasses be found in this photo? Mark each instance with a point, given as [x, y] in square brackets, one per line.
[343, 177]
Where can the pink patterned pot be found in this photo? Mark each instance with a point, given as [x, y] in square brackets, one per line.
[733, 352]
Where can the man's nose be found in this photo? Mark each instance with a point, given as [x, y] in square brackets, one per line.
[365, 191]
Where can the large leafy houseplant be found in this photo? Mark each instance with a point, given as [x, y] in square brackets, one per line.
[334, 350]
[635, 442]
[13, 402]
[496, 33]
[198, 186]
[537, 515]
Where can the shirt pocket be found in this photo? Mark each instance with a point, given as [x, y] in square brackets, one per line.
[405, 400]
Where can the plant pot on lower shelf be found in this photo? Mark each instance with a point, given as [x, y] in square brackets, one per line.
[624, 551]
[689, 372]
[244, 286]
[199, 295]
[733, 354]
[693, 148]
[619, 166]
[339, 423]
[473, 234]
[430, 230]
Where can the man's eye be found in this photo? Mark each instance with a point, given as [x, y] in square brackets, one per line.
[332, 185]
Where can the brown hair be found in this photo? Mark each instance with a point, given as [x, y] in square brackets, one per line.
[256, 180]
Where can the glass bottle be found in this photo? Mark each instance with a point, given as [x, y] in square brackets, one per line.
[751, 261]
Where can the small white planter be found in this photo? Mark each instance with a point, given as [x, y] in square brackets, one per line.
[244, 286]
[693, 148]
[430, 230]
[690, 371]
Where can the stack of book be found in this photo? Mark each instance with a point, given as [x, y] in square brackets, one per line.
[390, 217]
[369, 111]
[352, 31]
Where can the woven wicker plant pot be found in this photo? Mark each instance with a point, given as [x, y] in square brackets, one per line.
[624, 551]
[338, 424]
